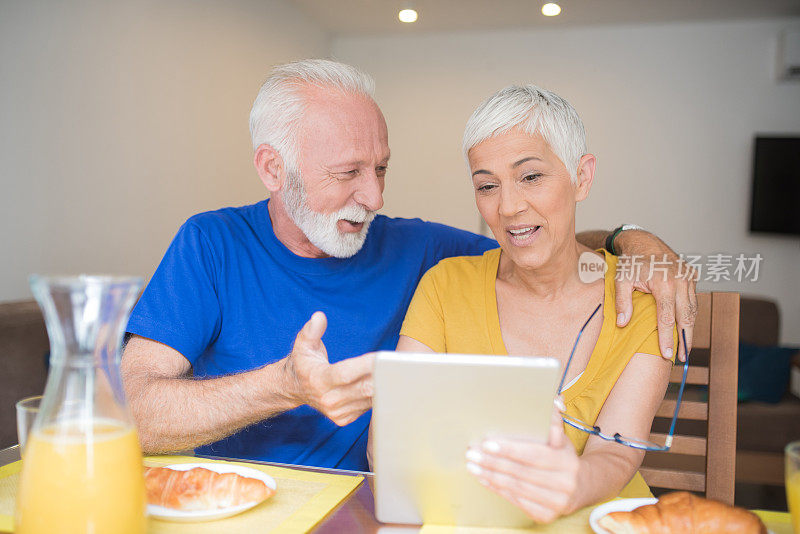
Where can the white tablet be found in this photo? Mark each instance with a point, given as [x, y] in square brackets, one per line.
[429, 408]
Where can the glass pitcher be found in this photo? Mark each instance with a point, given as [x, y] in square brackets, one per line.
[82, 465]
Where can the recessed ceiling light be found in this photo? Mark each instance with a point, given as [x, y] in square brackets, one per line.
[407, 15]
[551, 10]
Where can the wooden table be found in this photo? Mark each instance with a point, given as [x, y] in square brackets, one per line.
[356, 513]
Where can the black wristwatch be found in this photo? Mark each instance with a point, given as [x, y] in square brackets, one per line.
[613, 235]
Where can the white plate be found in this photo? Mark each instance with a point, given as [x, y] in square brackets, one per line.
[620, 505]
[168, 514]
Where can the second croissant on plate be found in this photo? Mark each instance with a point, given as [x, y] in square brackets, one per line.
[683, 512]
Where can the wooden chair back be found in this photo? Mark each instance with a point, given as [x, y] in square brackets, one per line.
[704, 463]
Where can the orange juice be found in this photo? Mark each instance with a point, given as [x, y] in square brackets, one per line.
[793, 498]
[76, 481]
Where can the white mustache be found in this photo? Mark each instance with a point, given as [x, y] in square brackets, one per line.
[355, 213]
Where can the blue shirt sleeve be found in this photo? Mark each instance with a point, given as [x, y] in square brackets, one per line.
[449, 242]
[179, 307]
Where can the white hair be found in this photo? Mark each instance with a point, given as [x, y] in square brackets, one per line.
[279, 105]
[535, 111]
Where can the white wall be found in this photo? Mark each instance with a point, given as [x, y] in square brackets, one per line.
[118, 120]
[670, 111]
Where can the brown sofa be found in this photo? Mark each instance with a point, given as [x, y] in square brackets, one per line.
[23, 349]
[763, 429]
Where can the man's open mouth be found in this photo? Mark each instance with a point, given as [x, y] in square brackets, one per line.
[351, 226]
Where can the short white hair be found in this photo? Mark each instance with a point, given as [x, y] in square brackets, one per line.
[535, 111]
[280, 105]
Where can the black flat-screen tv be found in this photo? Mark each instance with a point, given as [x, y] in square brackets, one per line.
[775, 206]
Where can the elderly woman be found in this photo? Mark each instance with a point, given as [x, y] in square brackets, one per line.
[527, 156]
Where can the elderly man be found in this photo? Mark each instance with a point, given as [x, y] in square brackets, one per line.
[213, 361]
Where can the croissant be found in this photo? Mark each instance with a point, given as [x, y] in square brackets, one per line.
[683, 512]
[201, 489]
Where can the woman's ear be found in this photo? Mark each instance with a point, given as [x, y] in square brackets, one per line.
[585, 176]
[269, 165]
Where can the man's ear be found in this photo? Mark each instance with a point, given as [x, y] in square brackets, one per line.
[585, 176]
[270, 168]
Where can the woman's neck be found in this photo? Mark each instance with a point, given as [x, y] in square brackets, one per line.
[550, 281]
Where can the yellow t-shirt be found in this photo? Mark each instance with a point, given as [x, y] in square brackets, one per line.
[454, 310]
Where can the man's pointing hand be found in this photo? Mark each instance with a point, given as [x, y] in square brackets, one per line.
[341, 391]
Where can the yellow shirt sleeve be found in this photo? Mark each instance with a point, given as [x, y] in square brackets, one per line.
[425, 316]
[650, 345]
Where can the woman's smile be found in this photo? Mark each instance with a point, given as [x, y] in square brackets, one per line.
[523, 235]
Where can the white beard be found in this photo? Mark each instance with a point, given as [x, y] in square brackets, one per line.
[321, 228]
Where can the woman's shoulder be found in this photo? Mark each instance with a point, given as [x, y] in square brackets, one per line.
[642, 329]
[464, 269]
[644, 320]
[644, 305]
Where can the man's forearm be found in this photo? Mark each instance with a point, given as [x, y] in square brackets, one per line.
[593, 239]
[629, 242]
[642, 242]
[180, 413]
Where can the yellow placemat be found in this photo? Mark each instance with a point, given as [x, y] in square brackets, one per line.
[9, 476]
[777, 522]
[578, 523]
[303, 499]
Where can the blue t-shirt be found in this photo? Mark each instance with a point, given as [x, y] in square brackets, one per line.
[230, 297]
